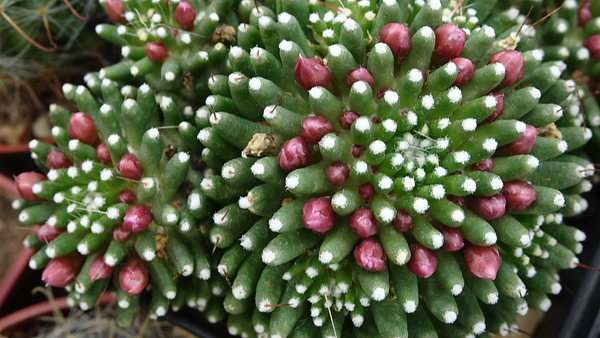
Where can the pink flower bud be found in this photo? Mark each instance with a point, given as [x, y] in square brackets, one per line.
[482, 261]
[311, 72]
[593, 45]
[449, 43]
[498, 110]
[126, 196]
[133, 277]
[82, 128]
[360, 74]
[488, 208]
[294, 154]
[453, 238]
[357, 150]
[24, 183]
[48, 233]
[57, 160]
[423, 261]
[347, 118]
[137, 218]
[318, 215]
[370, 256]
[115, 11]
[519, 195]
[403, 222]
[103, 154]
[458, 200]
[99, 269]
[156, 51]
[61, 271]
[314, 128]
[514, 66]
[522, 145]
[338, 173]
[485, 165]
[185, 14]
[129, 167]
[584, 14]
[363, 222]
[381, 93]
[466, 68]
[397, 37]
[366, 191]
[121, 234]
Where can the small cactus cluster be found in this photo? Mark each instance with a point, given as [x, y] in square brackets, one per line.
[343, 168]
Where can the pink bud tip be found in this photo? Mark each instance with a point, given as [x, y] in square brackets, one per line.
[61, 271]
[24, 183]
[423, 261]
[498, 110]
[366, 191]
[82, 128]
[449, 43]
[318, 215]
[294, 154]
[133, 277]
[57, 160]
[129, 167]
[357, 150]
[593, 45]
[121, 234]
[381, 93]
[403, 222]
[185, 14]
[458, 200]
[311, 72]
[488, 208]
[522, 145]
[347, 118]
[466, 68]
[485, 165]
[115, 11]
[397, 37]
[338, 173]
[137, 218]
[519, 195]
[48, 233]
[453, 238]
[363, 222]
[369, 255]
[99, 269]
[126, 196]
[514, 66]
[360, 74]
[584, 14]
[314, 128]
[482, 261]
[103, 154]
[156, 51]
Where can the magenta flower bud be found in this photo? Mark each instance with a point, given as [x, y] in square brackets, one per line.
[61, 271]
[57, 160]
[314, 128]
[294, 154]
[381, 93]
[453, 238]
[82, 128]
[369, 255]
[24, 183]
[449, 43]
[397, 37]
[593, 45]
[363, 222]
[458, 200]
[126, 196]
[99, 269]
[156, 51]
[357, 150]
[488, 208]
[498, 110]
[514, 66]
[129, 167]
[482, 261]
[48, 233]
[366, 191]
[121, 234]
[466, 68]
[347, 118]
[338, 173]
[519, 195]
[185, 14]
[115, 11]
[311, 72]
[403, 222]
[133, 277]
[584, 14]
[423, 261]
[103, 154]
[522, 145]
[360, 74]
[485, 165]
[318, 215]
[137, 218]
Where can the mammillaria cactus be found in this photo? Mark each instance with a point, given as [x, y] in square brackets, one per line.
[367, 168]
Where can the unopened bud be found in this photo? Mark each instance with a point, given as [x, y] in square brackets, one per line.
[593, 45]
[294, 154]
[99, 269]
[514, 66]
[61, 271]
[115, 11]
[360, 74]
[498, 110]
[57, 160]
[338, 173]
[449, 43]
[318, 215]
[403, 222]
[156, 51]
[488, 208]
[103, 154]
[366, 191]
[519, 195]
[584, 14]
[47, 233]
[521, 146]
[185, 14]
[129, 167]
[466, 68]
[397, 37]
[137, 218]
[482, 261]
[82, 128]
[24, 183]
[133, 277]
[126, 196]
[423, 261]
[314, 128]
[121, 234]
[362, 222]
[347, 118]
[485, 165]
[311, 72]
[370, 256]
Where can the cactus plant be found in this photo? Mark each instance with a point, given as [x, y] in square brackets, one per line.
[345, 168]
